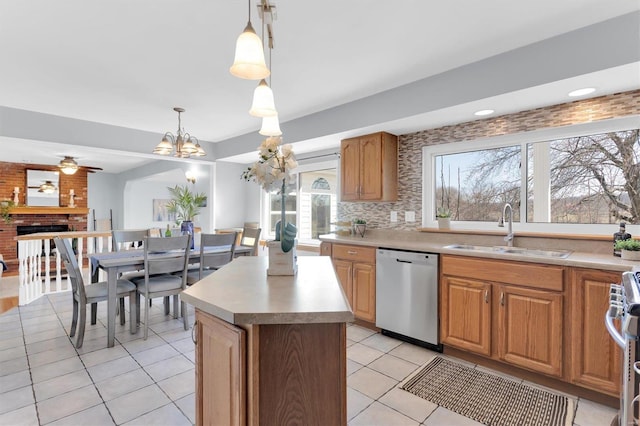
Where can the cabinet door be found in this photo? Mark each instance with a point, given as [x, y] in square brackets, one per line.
[530, 329]
[371, 167]
[466, 314]
[220, 372]
[325, 249]
[364, 291]
[350, 169]
[344, 273]
[595, 358]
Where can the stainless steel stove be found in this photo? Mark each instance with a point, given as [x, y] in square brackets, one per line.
[624, 304]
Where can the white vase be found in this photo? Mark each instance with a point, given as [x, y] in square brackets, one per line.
[630, 255]
[280, 262]
[444, 222]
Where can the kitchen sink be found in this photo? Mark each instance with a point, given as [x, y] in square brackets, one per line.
[560, 254]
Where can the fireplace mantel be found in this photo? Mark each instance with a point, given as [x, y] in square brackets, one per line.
[49, 210]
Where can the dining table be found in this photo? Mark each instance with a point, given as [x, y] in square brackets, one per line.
[118, 262]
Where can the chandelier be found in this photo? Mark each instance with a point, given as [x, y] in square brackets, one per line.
[68, 165]
[181, 145]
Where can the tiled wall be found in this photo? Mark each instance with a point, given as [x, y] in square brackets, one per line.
[410, 149]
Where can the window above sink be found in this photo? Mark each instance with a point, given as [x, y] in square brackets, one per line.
[572, 178]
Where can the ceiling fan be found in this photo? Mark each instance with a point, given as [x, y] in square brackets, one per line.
[69, 166]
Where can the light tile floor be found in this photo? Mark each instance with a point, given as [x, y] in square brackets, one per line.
[45, 380]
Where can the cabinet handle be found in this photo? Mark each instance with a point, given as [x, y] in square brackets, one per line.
[502, 298]
[193, 336]
[352, 252]
[486, 296]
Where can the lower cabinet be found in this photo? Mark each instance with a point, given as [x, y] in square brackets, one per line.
[355, 268]
[270, 374]
[530, 329]
[509, 311]
[220, 385]
[595, 358]
[466, 314]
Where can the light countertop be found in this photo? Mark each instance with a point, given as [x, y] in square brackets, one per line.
[416, 241]
[242, 293]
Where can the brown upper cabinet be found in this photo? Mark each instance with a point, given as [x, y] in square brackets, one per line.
[369, 168]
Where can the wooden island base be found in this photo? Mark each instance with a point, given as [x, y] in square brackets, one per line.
[270, 374]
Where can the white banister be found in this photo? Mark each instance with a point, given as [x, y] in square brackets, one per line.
[34, 250]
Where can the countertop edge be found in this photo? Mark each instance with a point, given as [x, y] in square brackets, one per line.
[576, 259]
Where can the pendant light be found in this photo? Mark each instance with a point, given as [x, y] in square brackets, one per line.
[263, 104]
[270, 126]
[249, 60]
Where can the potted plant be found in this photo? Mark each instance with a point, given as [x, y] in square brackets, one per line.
[443, 215]
[630, 249]
[5, 207]
[185, 205]
[359, 226]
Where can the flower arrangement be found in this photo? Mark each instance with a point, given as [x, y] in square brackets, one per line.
[272, 171]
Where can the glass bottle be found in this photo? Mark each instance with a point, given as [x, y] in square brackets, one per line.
[167, 233]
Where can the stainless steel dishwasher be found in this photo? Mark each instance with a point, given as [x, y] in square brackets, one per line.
[407, 296]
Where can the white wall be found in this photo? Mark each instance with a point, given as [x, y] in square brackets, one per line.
[230, 202]
[140, 193]
[102, 196]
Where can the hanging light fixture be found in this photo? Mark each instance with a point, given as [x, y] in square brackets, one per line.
[263, 104]
[270, 126]
[68, 165]
[47, 187]
[249, 58]
[181, 145]
[270, 123]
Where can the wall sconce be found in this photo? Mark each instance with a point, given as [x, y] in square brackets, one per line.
[191, 177]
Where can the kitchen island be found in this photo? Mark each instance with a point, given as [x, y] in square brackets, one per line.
[270, 349]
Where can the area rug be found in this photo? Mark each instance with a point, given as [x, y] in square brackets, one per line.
[487, 398]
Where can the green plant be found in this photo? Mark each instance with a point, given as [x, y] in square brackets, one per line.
[185, 204]
[359, 221]
[443, 212]
[630, 244]
[5, 207]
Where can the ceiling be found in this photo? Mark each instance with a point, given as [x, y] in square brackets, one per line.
[127, 64]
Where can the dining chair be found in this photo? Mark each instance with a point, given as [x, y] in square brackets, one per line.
[251, 238]
[160, 274]
[92, 294]
[210, 262]
[128, 239]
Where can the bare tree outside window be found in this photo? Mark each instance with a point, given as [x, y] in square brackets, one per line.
[592, 179]
[485, 180]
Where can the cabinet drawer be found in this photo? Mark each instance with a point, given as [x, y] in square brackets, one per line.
[548, 277]
[359, 253]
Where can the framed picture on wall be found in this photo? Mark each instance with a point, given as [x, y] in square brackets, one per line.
[160, 211]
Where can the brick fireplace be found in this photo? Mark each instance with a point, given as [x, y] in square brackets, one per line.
[15, 175]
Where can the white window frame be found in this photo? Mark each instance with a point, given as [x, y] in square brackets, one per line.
[522, 139]
[311, 167]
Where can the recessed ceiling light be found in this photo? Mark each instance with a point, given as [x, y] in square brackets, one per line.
[582, 92]
[484, 112]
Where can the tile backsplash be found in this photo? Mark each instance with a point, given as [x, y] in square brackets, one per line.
[378, 215]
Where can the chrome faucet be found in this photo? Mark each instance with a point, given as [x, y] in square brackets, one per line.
[509, 237]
